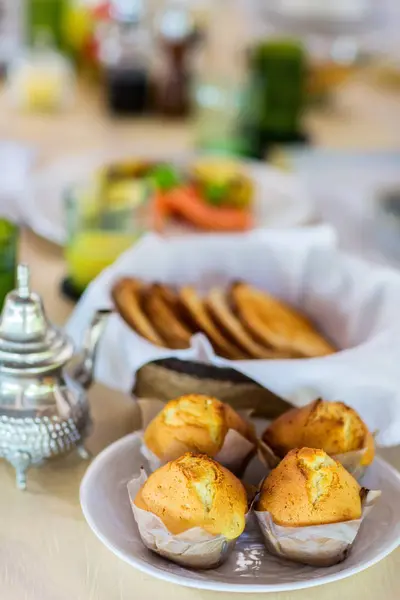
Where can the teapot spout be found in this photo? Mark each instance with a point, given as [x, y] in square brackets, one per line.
[84, 371]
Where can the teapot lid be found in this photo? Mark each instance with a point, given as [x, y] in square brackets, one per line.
[28, 341]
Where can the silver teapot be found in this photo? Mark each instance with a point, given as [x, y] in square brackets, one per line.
[44, 411]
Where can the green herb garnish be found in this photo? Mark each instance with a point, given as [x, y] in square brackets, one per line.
[165, 177]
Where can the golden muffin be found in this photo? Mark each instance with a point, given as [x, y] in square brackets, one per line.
[330, 426]
[194, 423]
[310, 488]
[195, 491]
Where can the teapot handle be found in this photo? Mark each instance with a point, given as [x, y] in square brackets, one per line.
[84, 371]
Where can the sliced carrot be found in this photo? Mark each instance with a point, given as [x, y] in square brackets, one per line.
[160, 211]
[186, 202]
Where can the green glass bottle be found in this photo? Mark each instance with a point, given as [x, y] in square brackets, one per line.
[44, 21]
[275, 93]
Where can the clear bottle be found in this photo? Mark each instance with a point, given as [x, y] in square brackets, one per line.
[12, 26]
[219, 84]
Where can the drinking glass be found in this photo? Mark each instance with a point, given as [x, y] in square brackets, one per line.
[100, 230]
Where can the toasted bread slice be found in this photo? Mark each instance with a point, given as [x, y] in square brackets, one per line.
[126, 294]
[169, 295]
[273, 322]
[227, 321]
[197, 310]
[164, 318]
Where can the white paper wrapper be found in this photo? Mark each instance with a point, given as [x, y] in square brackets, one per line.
[319, 545]
[267, 455]
[355, 304]
[194, 548]
[352, 462]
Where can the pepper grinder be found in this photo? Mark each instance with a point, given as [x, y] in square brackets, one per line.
[177, 36]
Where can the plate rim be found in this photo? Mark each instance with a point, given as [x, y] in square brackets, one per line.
[154, 571]
[42, 226]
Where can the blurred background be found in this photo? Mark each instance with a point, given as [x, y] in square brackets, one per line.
[111, 110]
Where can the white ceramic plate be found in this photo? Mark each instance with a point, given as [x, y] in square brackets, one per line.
[250, 568]
[280, 199]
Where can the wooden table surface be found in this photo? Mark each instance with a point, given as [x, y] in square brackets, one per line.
[47, 551]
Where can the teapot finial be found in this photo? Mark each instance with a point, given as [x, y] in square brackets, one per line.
[23, 277]
[23, 318]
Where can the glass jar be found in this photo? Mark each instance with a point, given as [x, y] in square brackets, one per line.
[41, 79]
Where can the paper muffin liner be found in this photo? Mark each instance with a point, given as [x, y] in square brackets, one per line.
[235, 454]
[195, 548]
[267, 455]
[316, 545]
[350, 460]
